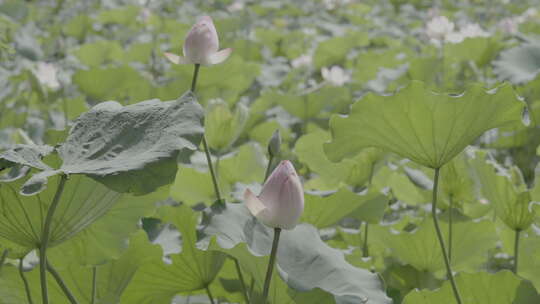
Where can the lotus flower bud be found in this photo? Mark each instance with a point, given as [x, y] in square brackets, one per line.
[274, 145]
[281, 201]
[201, 45]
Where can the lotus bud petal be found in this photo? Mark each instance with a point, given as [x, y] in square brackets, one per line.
[281, 201]
[201, 45]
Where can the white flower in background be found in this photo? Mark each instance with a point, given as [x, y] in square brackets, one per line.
[235, 6]
[335, 75]
[46, 73]
[473, 30]
[201, 45]
[438, 27]
[470, 30]
[508, 25]
[302, 61]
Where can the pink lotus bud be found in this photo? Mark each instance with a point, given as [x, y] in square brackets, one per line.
[281, 201]
[201, 45]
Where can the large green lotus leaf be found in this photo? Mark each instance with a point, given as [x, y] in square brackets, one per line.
[420, 249]
[111, 278]
[26, 155]
[190, 270]
[456, 182]
[324, 211]
[519, 64]
[83, 201]
[311, 105]
[416, 123]
[502, 287]
[356, 171]
[480, 50]
[129, 148]
[304, 261]
[247, 165]
[508, 196]
[107, 238]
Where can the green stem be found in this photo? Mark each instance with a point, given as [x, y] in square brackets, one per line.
[516, 251]
[45, 239]
[241, 278]
[268, 167]
[3, 258]
[25, 282]
[251, 287]
[61, 283]
[209, 294]
[365, 250]
[440, 237]
[450, 211]
[195, 76]
[273, 253]
[205, 144]
[94, 285]
[218, 160]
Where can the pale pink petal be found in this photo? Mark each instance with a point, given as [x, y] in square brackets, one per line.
[253, 203]
[201, 41]
[220, 56]
[176, 59]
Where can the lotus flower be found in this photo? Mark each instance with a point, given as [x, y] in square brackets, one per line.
[281, 201]
[201, 45]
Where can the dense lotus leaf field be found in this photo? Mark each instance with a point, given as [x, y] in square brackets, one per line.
[269, 152]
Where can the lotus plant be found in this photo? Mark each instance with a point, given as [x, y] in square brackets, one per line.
[201, 48]
[279, 205]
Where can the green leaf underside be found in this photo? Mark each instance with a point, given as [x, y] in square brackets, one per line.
[304, 261]
[421, 125]
[83, 201]
[129, 148]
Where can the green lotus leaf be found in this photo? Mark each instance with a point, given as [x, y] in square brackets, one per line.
[502, 287]
[190, 270]
[130, 148]
[304, 261]
[111, 278]
[222, 126]
[470, 245]
[508, 196]
[418, 124]
[83, 201]
[324, 211]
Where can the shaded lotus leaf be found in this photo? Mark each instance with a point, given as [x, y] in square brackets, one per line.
[519, 64]
[426, 127]
[26, 155]
[304, 261]
[480, 288]
[130, 148]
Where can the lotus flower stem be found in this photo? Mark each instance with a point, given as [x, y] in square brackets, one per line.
[516, 250]
[365, 249]
[209, 295]
[440, 237]
[241, 279]
[45, 239]
[3, 258]
[450, 211]
[94, 285]
[273, 253]
[205, 144]
[61, 283]
[25, 282]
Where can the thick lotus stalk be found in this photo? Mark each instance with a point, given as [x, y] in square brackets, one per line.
[201, 45]
[281, 201]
